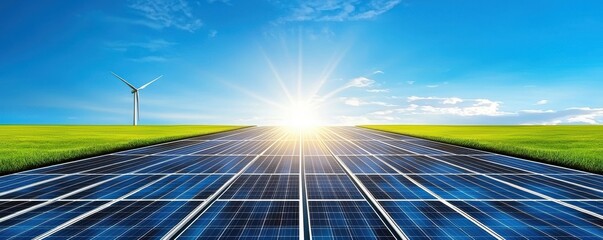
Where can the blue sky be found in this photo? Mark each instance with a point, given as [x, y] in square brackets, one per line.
[347, 61]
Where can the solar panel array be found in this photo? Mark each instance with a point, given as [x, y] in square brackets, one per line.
[331, 183]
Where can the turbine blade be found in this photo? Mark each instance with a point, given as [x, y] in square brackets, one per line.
[124, 80]
[149, 83]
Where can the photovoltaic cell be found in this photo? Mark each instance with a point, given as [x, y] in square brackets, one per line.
[199, 146]
[115, 188]
[590, 180]
[322, 164]
[527, 165]
[420, 164]
[346, 220]
[131, 166]
[83, 165]
[470, 187]
[13, 181]
[37, 221]
[160, 148]
[593, 206]
[551, 187]
[331, 187]
[534, 219]
[415, 148]
[375, 147]
[478, 165]
[10, 207]
[365, 164]
[275, 164]
[182, 187]
[129, 220]
[447, 147]
[432, 220]
[284, 148]
[393, 187]
[344, 148]
[263, 187]
[56, 188]
[246, 220]
[200, 164]
[314, 148]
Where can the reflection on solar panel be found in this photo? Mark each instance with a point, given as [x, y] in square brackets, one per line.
[332, 183]
[433, 219]
[248, 220]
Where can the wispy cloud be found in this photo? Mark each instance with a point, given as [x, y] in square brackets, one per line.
[338, 10]
[410, 82]
[377, 90]
[378, 72]
[361, 82]
[356, 102]
[152, 45]
[542, 102]
[212, 34]
[166, 14]
[150, 59]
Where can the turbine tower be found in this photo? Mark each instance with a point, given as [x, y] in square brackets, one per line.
[136, 96]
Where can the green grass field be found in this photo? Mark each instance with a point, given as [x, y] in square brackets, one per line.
[579, 147]
[29, 146]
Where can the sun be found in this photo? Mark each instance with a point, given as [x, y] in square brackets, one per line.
[301, 115]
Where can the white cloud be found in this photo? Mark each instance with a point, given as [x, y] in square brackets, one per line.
[410, 82]
[455, 106]
[361, 82]
[542, 102]
[377, 90]
[167, 13]
[356, 102]
[338, 10]
[433, 86]
[378, 72]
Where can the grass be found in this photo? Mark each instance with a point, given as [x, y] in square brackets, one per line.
[578, 147]
[29, 146]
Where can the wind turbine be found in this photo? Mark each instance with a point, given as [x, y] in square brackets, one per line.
[136, 97]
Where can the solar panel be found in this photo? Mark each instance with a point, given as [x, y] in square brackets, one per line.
[365, 164]
[551, 187]
[275, 164]
[263, 187]
[200, 164]
[346, 220]
[409, 147]
[11, 182]
[447, 147]
[331, 187]
[470, 187]
[129, 220]
[527, 165]
[114, 189]
[393, 187]
[590, 180]
[533, 219]
[477, 165]
[432, 220]
[220, 187]
[45, 218]
[246, 220]
[83, 165]
[182, 187]
[322, 164]
[420, 165]
[56, 188]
